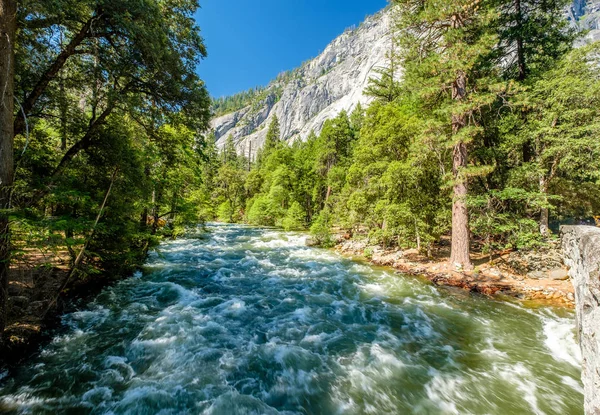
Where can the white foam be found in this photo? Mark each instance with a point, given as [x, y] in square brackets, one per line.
[292, 326]
[98, 394]
[576, 385]
[523, 379]
[560, 340]
[442, 391]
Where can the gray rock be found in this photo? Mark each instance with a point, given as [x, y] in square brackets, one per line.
[319, 90]
[311, 242]
[581, 246]
[536, 275]
[558, 274]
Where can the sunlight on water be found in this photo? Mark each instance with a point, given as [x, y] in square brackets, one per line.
[250, 321]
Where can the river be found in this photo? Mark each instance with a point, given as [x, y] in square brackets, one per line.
[250, 321]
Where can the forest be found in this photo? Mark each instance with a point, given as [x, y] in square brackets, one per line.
[488, 136]
[483, 130]
[102, 116]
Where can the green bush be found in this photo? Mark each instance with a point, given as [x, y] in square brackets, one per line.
[260, 212]
[320, 229]
[225, 212]
[294, 219]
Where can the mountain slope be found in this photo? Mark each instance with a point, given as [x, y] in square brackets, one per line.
[335, 80]
[320, 89]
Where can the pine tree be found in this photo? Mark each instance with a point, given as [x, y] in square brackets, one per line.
[273, 139]
[229, 153]
[533, 34]
[447, 48]
[561, 128]
[385, 86]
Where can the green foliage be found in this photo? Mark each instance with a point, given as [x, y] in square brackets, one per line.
[225, 105]
[295, 218]
[128, 99]
[225, 212]
[321, 229]
[259, 212]
[108, 87]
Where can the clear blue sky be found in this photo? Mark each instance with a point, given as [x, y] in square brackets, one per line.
[250, 42]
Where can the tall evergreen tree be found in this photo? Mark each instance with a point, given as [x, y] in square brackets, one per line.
[229, 152]
[532, 35]
[385, 86]
[446, 60]
[273, 138]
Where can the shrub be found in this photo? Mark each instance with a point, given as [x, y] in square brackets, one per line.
[294, 218]
[260, 212]
[225, 212]
[321, 229]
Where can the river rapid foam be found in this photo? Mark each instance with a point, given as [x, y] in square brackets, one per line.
[250, 321]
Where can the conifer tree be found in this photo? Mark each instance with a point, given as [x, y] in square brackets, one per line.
[533, 34]
[229, 153]
[385, 86]
[446, 47]
[273, 136]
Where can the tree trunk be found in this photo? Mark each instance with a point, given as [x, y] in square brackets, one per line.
[8, 28]
[418, 235]
[522, 65]
[460, 216]
[545, 212]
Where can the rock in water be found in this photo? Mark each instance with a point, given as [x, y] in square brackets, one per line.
[536, 275]
[311, 242]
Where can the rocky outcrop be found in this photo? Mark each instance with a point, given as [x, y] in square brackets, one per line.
[581, 245]
[336, 79]
[585, 15]
[320, 89]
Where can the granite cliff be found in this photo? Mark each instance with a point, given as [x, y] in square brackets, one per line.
[321, 88]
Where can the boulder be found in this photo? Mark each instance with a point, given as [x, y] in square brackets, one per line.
[311, 242]
[558, 274]
[536, 275]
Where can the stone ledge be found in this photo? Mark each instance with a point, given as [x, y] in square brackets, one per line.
[581, 246]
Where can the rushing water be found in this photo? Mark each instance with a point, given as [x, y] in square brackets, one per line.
[248, 321]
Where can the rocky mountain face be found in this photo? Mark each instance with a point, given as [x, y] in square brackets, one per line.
[320, 89]
[585, 15]
[334, 81]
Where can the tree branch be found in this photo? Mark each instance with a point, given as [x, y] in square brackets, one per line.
[51, 73]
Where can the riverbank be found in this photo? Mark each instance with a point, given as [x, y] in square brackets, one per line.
[36, 303]
[534, 276]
